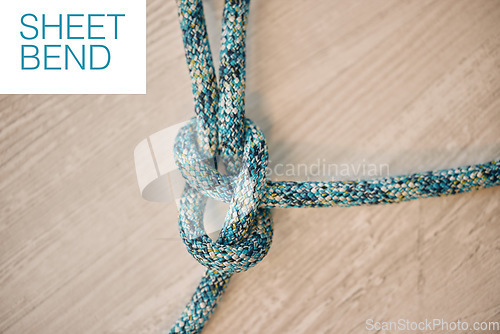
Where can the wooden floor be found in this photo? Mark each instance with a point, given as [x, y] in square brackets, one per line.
[412, 84]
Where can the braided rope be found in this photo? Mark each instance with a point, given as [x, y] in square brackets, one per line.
[221, 129]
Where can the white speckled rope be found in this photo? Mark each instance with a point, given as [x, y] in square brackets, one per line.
[220, 128]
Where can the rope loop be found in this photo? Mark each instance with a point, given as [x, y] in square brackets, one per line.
[247, 233]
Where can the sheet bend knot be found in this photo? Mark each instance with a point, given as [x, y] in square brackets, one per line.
[220, 128]
[248, 227]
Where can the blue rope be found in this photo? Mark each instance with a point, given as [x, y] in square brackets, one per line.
[220, 129]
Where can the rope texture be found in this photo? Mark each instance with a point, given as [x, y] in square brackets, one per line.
[220, 129]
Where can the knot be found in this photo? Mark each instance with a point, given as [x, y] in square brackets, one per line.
[247, 231]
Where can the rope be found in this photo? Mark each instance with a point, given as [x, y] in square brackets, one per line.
[220, 135]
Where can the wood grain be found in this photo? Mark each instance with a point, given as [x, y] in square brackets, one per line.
[413, 84]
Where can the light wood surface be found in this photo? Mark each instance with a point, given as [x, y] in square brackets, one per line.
[412, 84]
